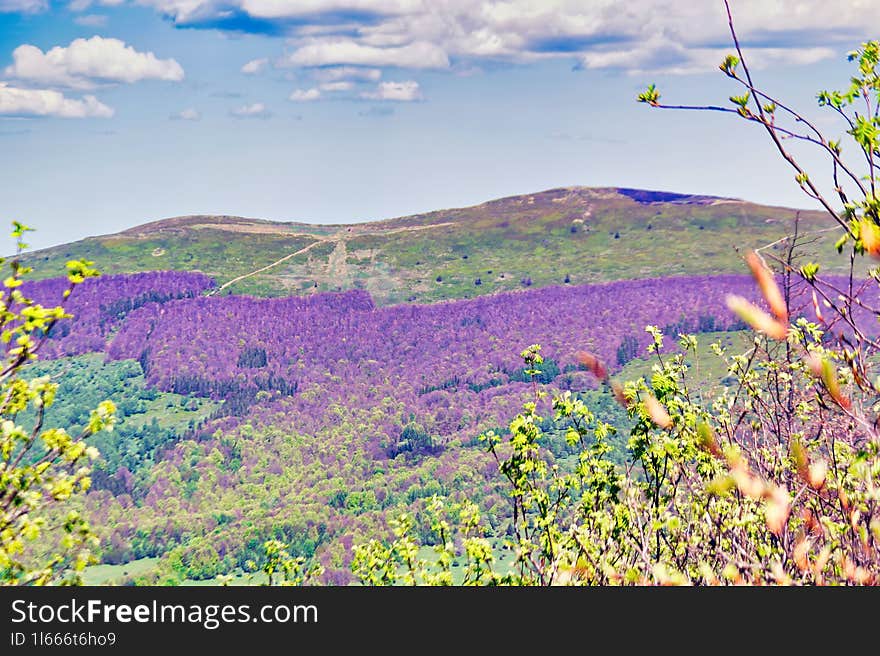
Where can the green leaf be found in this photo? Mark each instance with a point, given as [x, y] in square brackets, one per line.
[18, 229]
[743, 100]
[650, 96]
[729, 65]
[810, 269]
[865, 133]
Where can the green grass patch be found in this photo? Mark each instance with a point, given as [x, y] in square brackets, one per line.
[116, 574]
[148, 419]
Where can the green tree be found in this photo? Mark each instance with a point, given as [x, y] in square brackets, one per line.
[283, 569]
[42, 539]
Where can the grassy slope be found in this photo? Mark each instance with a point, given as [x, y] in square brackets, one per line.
[589, 235]
[147, 419]
[131, 571]
[86, 380]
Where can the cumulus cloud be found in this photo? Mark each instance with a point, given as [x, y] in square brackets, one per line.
[85, 63]
[305, 95]
[188, 114]
[600, 34]
[255, 66]
[15, 101]
[91, 20]
[637, 36]
[336, 80]
[327, 53]
[407, 91]
[253, 110]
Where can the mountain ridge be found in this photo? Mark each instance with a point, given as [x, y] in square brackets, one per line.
[189, 220]
[562, 235]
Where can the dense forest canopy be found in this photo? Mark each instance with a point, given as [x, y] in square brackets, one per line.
[709, 428]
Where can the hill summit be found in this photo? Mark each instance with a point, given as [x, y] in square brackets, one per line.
[567, 235]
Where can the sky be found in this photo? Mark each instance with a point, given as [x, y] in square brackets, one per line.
[118, 112]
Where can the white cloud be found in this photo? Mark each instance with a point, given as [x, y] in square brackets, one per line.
[82, 5]
[182, 11]
[188, 114]
[342, 85]
[23, 6]
[327, 53]
[91, 20]
[305, 95]
[87, 62]
[254, 110]
[399, 91]
[663, 56]
[186, 10]
[305, 8]
[47, 102]
[255, 66]
[347, 73]
[767, 57]
[639, 35]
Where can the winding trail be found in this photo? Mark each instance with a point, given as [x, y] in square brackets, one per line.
[334, 239]
[269, 266]
[394, 231]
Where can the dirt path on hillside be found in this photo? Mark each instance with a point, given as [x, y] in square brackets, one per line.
[394, 231]
[337, 266]
[337, 258]
[268, 266]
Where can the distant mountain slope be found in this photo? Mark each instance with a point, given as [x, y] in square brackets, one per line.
[575, 235]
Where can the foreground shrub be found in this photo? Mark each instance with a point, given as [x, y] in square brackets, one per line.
[43, 540]
[771, 477]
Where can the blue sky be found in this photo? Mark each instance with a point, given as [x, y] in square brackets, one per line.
[114, 113]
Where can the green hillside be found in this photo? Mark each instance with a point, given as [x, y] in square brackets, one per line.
[575, 235]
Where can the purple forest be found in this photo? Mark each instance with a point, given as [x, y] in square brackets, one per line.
[335, 410]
